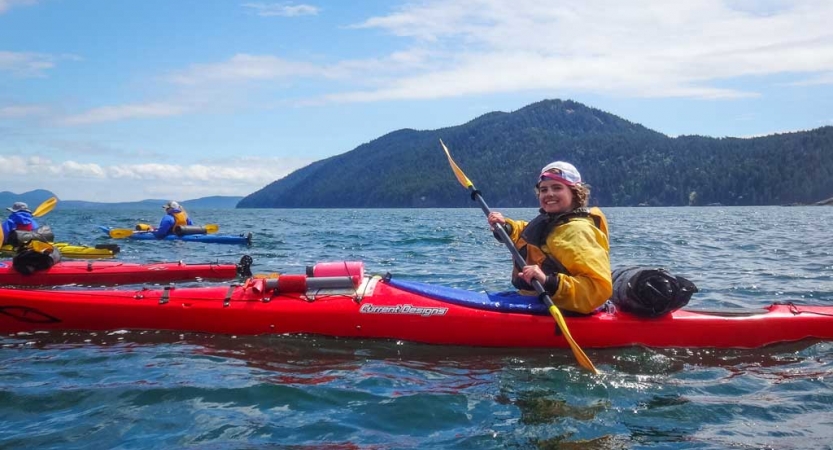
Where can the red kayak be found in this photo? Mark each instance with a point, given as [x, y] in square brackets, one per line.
[344, 303]
[112, 272]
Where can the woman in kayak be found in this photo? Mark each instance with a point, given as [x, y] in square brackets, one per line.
[566, 246]
[174, 215]
[19, 219]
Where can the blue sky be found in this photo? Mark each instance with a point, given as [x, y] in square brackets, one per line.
[178, 99]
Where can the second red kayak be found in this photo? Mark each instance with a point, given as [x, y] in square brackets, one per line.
[112, 272]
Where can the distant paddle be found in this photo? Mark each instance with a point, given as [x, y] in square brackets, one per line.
[122, 233]
[45, 207]
[210, 228]
[581, 357]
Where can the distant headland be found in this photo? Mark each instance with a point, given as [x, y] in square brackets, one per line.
[37, 196]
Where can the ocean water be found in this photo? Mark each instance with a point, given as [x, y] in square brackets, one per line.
[168, 390]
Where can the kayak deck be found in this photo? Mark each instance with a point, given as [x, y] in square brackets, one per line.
[99, 251]
[387, 309]
[113, 273]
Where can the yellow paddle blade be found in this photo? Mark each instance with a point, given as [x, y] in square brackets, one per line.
[41, 247]
[461, 177]
[121, 233]
[579, 354]
[2, 237]
[46, 206]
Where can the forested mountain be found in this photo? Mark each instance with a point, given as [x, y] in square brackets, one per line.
[502, 153]
[32, 198]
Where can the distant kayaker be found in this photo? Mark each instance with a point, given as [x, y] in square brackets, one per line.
[175, 216]
[21, 219]
[566, 246]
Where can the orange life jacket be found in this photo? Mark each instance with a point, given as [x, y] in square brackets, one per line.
[180, 218]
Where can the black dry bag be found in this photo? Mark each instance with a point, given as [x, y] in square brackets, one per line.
[650, 292]
[184, 230]
[28, 260]
[20, 238]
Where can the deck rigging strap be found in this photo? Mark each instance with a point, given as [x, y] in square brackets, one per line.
[166, 294]
[229, 292]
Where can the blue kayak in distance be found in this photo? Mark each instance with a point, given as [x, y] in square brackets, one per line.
[241, 239]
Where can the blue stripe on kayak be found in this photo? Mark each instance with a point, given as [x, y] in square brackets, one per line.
[499, 301]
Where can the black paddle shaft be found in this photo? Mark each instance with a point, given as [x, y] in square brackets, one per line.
[504, 237]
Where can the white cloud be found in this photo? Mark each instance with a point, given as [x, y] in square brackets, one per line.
[21, 111]
[822, 79]
[244, 67]
[282, 9]
[513, 72]
[759, 7]
[72, 169]
[25, 64]
[122, 112]
[92, 148]
[5, 5]
[641, 48]
[128, 182]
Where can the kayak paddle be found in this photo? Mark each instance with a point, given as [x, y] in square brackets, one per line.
[45, 207]
[210, 228]
[581, 357]
[122, 233]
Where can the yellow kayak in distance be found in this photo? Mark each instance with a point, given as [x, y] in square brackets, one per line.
[77, 251]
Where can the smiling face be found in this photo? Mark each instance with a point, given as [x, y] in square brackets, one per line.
[554, 197]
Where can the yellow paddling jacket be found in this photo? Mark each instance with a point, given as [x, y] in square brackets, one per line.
[573, 251]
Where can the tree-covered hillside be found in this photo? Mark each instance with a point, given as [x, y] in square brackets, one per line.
[625, 163]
